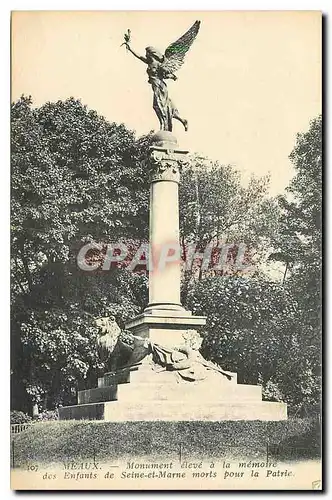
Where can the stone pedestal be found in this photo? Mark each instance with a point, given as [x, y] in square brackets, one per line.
[150, 395]
[164, 329]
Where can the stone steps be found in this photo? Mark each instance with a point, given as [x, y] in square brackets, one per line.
[188, 391]
[142, 394]
[173, 411]
[114, 378]
[92, 411]
[117, 411]
[98, 395]
[181, 392]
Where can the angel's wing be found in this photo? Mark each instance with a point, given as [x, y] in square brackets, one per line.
[174, 54]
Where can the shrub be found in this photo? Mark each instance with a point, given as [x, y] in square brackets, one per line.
[19, 417]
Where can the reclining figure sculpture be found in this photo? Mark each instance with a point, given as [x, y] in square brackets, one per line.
[185, 360]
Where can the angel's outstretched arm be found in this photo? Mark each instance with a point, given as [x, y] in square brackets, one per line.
[141, 58]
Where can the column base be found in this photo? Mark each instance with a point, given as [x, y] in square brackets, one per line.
[165, 327]
[166, 309]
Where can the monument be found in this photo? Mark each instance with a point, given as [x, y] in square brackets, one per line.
[164, 376]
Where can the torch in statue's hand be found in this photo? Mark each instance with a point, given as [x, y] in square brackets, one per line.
[126, 39]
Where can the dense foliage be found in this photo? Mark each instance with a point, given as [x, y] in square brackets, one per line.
[268, 331]
[76, 179]
[19, 417]
[253, 329]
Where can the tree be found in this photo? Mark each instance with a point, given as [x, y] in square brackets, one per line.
[300, 231]
[269, 332]
[300, 238]
[76, 178]
[216, 209]
[253, 329]
[72, 180]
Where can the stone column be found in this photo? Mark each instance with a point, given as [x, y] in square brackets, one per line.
[165, 320]
[165, 163]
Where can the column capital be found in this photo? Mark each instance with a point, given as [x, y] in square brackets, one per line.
[166, 164]
[165, 159]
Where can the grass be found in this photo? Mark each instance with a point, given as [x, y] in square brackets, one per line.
[55, 442]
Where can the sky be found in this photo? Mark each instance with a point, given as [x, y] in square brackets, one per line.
[250, 83]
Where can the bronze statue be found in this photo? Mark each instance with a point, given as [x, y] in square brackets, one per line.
[185, 360]
[162, 67]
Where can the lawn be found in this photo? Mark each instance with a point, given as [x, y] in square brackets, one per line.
[55, 442]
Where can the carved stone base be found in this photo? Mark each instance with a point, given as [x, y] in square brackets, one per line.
[153, 396]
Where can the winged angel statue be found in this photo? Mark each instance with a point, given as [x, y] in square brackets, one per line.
[162, 67]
